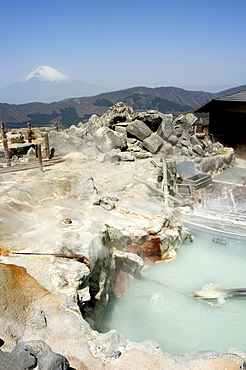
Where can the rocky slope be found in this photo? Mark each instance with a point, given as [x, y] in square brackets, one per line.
[68, 232]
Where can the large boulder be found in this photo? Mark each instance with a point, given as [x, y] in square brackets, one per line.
[120, 112]
[84, 188]
[173, 139]
[184, 122]
[80, 132]
[94, 123]
[184, 139]
[197, 149]
[126, 157]
[208, 165]
[107, 139]
[112, 156]
[191, 118]
[39, 351]
[194, 140]
[166, 127]
[19, 361]
[64, 143]
[139, 129]
[151, 118]
[153, 143]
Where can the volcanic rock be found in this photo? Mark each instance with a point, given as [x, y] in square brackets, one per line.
[153, 143]
[139, 129]
[107, 139]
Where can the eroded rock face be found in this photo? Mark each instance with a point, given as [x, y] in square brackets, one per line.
[64, 252]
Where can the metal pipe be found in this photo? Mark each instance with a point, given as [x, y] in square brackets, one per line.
[78, 257]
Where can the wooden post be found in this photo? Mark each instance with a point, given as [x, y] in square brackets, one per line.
[40, 158]
[5, 145]
[29, 133]
[164, 181]
[55, 126]
[46, 145]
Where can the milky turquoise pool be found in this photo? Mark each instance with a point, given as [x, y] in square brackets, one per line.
[161, 306]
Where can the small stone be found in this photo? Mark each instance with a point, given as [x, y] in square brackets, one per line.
[107, 204]
[126, 157]
[39, 321]
[67, 221]
[116, 354]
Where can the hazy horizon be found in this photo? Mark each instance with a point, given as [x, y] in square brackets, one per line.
[183, 43]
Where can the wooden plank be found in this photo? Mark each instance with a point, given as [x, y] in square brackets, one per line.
[30, 165]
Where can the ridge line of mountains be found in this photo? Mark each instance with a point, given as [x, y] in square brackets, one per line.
[74, 110]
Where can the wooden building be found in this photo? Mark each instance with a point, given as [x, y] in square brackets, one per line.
[227, 120]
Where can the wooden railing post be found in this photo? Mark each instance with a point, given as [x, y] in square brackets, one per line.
[55, 127]
[29, 133]
[5, 144]
[46, 145]
[40, 158]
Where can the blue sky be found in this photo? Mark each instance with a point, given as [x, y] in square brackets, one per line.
[121, 44]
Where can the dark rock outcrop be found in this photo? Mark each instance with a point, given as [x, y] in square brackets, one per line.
[29, 355]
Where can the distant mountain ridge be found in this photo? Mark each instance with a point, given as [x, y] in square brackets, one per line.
[230, 91]
[73, 110]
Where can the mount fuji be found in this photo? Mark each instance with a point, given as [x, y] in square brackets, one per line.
[46, 85]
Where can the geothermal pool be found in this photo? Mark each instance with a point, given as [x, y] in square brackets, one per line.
[161, 306]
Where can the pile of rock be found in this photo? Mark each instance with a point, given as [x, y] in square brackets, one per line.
[124, 135]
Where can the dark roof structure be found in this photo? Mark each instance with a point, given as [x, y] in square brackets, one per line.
[239, 97]
[227, 119]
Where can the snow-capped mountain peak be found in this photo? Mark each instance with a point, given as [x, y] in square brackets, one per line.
[48, 74]
[46, 84]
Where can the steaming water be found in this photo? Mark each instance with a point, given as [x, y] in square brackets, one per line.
[161, 307]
